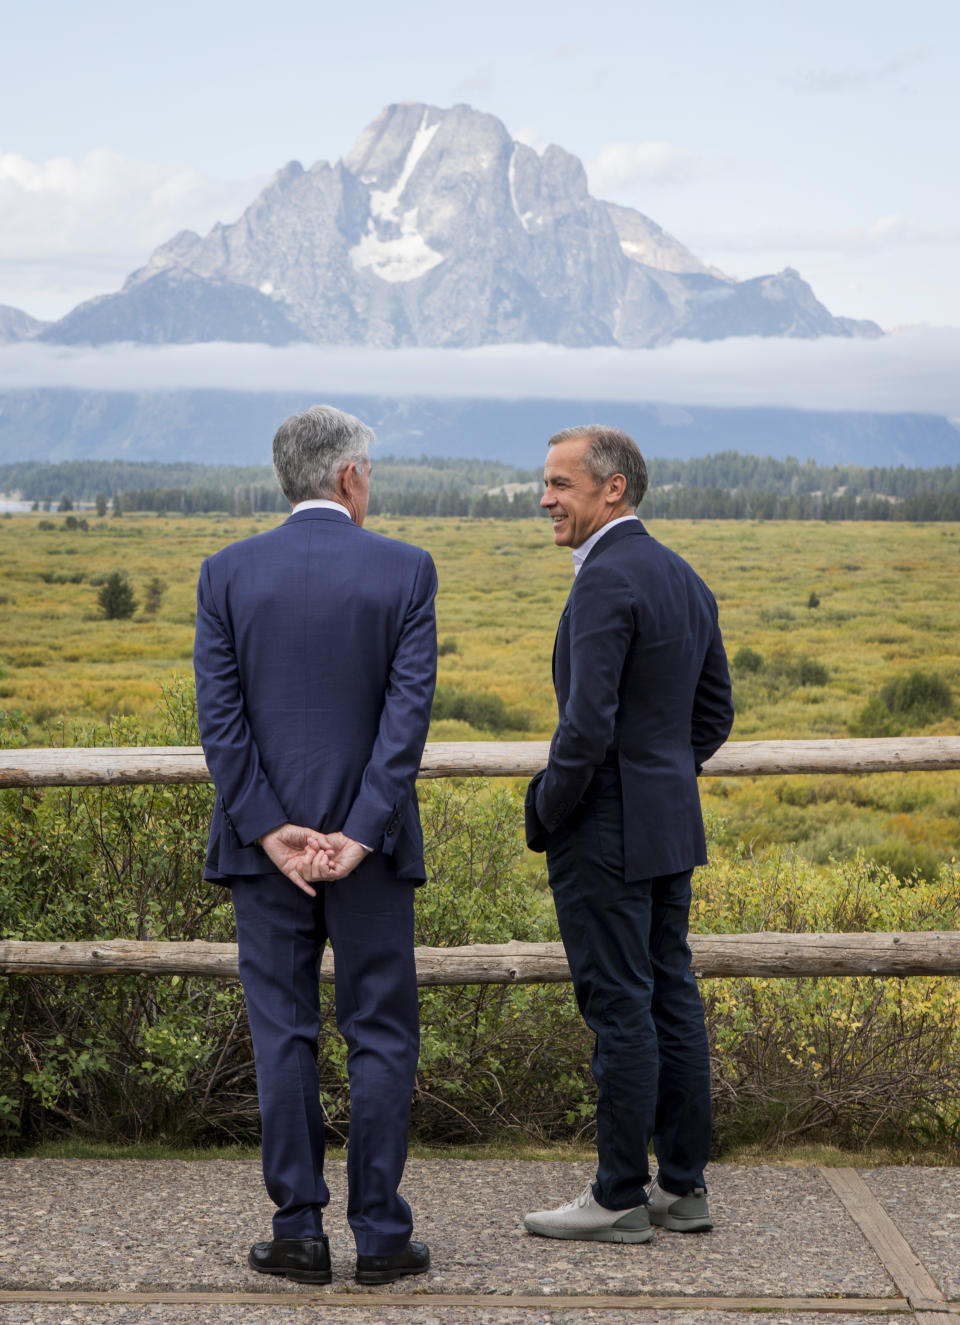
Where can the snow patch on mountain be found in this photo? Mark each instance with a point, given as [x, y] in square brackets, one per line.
[401, 259]
[383, 203]
[525, 218]
[391, 256]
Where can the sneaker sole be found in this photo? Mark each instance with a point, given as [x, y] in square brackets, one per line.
[695, 1224]
[591, 1234]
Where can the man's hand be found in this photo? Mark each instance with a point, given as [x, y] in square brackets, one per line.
[340, 857]
[299, 853]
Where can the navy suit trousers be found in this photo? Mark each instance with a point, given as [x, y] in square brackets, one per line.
[281, 933]
[626, 943]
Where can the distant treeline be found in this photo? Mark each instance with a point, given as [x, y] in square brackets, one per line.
[753, 504]
[83, 480]
[248, 499]
[723, 486]
[730, 470]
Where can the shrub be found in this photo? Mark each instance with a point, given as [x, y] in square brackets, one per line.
[747, 660]
[480, 709]
[63, 577]
[907, 861]
[904, 702]
[875, 719]
[809, 672]
[116, 597]
[446, 646]
[847, 1060]
[919, 698]
[779, 616]
[784, 674]
[814, 599]
[153, 595]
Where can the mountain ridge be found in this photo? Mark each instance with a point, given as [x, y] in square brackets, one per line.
[439, 229]
[236, 427]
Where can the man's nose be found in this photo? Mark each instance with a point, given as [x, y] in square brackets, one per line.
[547, 499]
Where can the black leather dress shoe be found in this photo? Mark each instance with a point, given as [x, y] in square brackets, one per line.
[305, 1260]
[414, 1259]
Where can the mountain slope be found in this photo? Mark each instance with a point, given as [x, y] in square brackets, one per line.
[15, 325]
[235, 427]
[176, 307]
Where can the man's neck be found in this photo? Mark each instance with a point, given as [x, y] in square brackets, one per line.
[581, 553]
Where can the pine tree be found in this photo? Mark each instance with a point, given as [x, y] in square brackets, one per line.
[116, 597]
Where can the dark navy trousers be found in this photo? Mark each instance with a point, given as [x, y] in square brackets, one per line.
[281, 933]
[626, 943]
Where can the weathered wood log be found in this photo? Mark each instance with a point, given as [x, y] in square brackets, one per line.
[78, 766]
[765, 954]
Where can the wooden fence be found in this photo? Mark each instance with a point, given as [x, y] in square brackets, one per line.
[760, 954]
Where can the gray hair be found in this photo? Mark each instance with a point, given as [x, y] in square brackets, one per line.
[310, 450]
[610, 452]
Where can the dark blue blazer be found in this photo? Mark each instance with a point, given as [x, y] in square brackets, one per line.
[315, 662]
[643, 688]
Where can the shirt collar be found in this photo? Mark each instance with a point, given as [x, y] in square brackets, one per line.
[320, 504]
[581, 553]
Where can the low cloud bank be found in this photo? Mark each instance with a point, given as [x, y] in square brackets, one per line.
[916, 370]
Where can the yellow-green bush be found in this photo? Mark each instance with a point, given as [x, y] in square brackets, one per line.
[844, 1060]
[851, 1059]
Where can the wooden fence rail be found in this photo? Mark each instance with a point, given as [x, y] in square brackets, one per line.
[763, 954]
[119, 765]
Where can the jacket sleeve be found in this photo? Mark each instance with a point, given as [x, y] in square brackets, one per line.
[534, 830]
[712, 703]
[249, 801]
[602, 625]
[377, 813]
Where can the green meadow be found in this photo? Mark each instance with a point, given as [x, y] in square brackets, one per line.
[818, 619]
[832, 630]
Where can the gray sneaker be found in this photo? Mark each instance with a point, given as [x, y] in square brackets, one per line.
[681, 1214]
[587, 1221]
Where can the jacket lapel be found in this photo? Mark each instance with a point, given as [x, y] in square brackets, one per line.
[561, 652]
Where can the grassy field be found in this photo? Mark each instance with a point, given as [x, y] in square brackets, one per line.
[884, 604]
[819, 619]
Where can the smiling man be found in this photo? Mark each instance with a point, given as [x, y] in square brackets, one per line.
[643, 693]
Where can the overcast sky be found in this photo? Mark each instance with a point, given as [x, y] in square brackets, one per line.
[819, 134]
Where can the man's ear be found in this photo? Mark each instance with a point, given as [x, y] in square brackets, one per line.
[345, 479]
[616, 489]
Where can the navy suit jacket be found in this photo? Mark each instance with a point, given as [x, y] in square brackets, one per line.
[315, 661]
[643, 689]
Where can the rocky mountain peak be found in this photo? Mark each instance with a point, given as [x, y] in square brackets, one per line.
[437, 228]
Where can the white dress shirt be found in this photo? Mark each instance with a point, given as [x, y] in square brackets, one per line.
[581, 553]
[321, 503]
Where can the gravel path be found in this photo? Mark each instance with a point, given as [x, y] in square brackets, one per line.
[164, 1225]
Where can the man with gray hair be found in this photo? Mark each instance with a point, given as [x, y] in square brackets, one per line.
[315, 663]
[643, 693]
